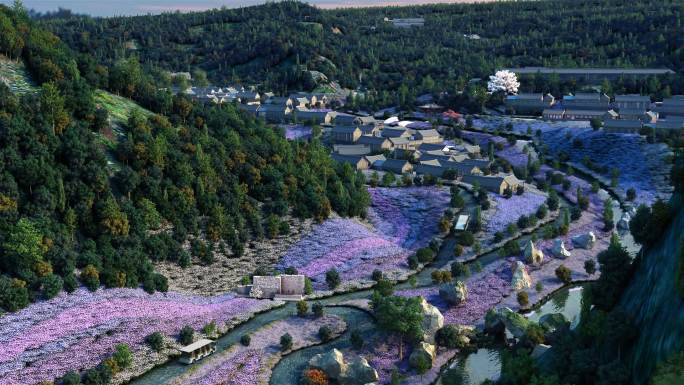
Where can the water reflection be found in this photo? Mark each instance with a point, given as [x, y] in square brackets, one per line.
[476, 368]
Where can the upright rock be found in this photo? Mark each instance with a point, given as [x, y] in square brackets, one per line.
[623, 223]
[521, 279]
[433, 320]
[359, 372]
[584, 241]
[454, 294]
[559, 250]
[332, 363]
[533, 256]
[422, 351]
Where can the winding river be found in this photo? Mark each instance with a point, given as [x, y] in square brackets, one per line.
[476, 367]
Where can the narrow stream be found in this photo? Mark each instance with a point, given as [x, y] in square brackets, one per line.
[288, 370]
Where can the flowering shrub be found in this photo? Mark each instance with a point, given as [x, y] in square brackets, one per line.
[402, 219]
[72, 332]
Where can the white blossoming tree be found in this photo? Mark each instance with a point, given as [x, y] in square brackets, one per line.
[505, 81]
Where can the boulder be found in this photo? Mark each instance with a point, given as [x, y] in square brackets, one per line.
[433, 320]
[552, 322]
[521, 279]
[422, 351]
[332, 363]
[454, 294]
[533, 256]
[584, 241]
[514, 322]
[359, 372]
[559, 249]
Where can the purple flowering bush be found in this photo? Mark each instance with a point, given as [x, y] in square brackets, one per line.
[401, 221]
[77, 331]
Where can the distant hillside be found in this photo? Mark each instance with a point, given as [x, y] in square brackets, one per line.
[272, 43]
[93, 187]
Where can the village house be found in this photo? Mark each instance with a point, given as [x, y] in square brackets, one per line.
[369, 129]
[352, 149]
[586, 101]
[249, 97]
[622, 126]
[345, 134]
[673, 106]
[314, 116]
[472, 150]
[632, 102]
[280, 101]
[482, 164]
[638, 114]
[274, 113]
[497, 184]
[349, 120]
[196, 351]
[428, 136]
[376, 143]
[395, 133]
[435, 170]
[591, 74]
[400, 143]
[528, 104]
[358, 162]
[373, 159]
[397, 166]
[461, 168]
[432, 147]
[407, 22]
[553, 114]
[670, 124]
[585, 114]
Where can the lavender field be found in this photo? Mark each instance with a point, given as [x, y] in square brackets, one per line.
[79, 330]
[401, 220]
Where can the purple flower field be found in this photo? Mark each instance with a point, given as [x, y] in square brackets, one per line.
[402, 219]
[482, 139]
[485, 290]
[77, 331]
[509, 210]
[246, 365]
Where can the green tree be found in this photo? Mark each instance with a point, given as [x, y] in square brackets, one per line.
[399, 315]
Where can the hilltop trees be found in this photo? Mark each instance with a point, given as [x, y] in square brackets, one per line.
[64, 207]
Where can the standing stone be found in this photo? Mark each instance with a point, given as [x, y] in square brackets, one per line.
[433, 320]
[533, 256]
[559, 249]
[584, 241]
[332, 363]
[454, 294]
[359, 372]
[521, 279]
[422, 350]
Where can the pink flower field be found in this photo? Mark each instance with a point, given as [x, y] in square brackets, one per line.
[77, 331]
[401, 221]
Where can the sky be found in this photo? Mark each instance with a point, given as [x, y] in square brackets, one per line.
[136, 7]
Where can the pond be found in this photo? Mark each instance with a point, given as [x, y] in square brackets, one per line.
[485, 364]
[476, 368]
[567, 301]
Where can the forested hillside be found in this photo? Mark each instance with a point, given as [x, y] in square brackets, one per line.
[265, 44]
[189, 171]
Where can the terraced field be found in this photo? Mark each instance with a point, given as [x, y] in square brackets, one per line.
[14, 75]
